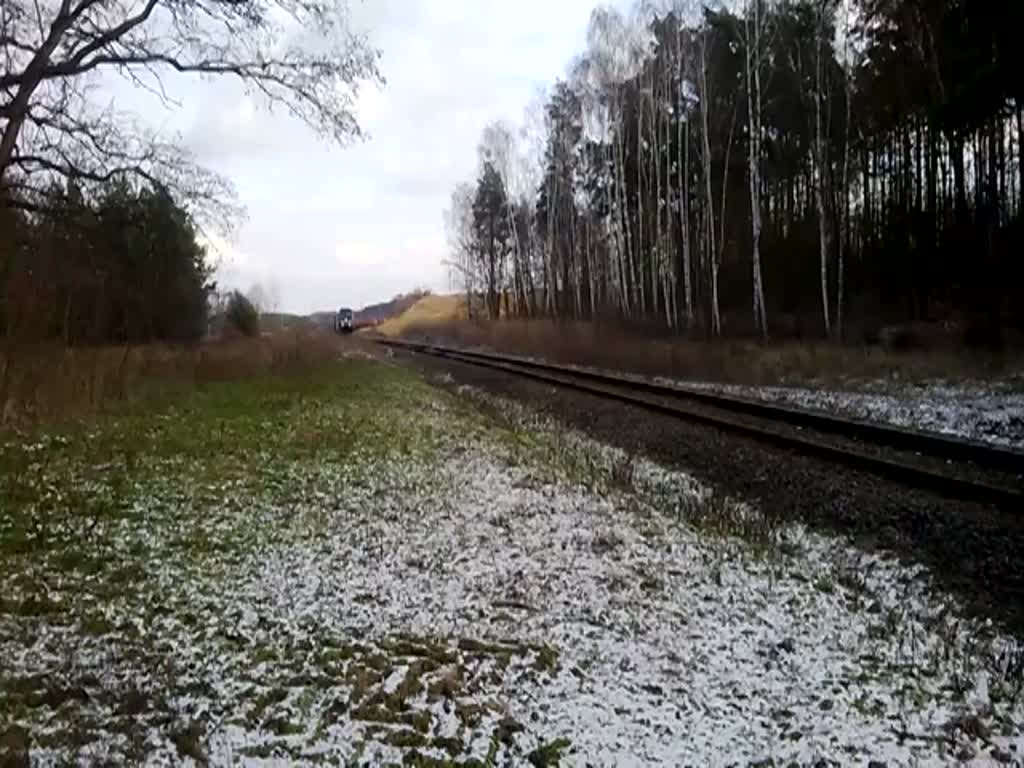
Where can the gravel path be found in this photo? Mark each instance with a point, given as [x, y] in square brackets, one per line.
[973, 551]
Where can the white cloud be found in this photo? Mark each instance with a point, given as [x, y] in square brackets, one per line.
[370, 104]
[359, 255]
[222, 253]
[356, 225]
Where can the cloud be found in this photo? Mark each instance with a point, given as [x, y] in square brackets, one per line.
[355, 225]
[370, 104]
[359, 255]
[221, 253]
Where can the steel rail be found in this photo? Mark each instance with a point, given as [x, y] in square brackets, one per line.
[660, 398]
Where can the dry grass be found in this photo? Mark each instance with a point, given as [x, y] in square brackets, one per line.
[428, 311]
[739, 362]
[45, 382]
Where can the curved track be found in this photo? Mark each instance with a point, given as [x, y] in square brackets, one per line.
[965, 469]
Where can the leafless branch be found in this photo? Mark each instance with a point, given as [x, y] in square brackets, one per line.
[298, 55]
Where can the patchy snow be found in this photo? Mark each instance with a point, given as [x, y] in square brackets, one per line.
[975, 411]
[816, 651]
[503, 594]
[989, 411]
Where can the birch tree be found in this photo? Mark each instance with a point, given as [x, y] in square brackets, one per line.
[683, 106]
[754, 29]
[498, 147]
[821, 159]
[849, 65]
[463, 259]
[873, 156]
[712, 255]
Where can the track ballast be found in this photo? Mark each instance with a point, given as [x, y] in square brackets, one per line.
[966, 469]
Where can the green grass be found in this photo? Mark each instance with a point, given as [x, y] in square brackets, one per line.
[96, 519]
[123, 533]
[59, 487]
[128, 535]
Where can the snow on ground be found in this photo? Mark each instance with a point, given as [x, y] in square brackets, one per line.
[976, 411]
[813, 650]
[988, 411]
[499, 597]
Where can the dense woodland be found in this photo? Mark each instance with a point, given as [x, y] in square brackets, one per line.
[812, 168]
[124, 266]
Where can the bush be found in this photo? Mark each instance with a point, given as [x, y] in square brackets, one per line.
[122, 267]
[44, 383]
[242, 315]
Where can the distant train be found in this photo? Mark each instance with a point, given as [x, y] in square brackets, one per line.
[344, 321]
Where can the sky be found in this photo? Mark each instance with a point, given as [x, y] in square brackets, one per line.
[330, 226]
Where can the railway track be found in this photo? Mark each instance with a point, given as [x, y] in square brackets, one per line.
[964, 469]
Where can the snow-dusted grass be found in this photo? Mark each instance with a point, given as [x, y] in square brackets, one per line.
[363, 570]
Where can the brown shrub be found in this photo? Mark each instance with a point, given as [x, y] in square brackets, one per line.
[730, 361]
[40, 382]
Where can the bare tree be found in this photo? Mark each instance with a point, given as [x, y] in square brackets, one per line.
[498, 146]
[618, 48]
[463, 262]
[753, 27]
[257, 296]
[848, 67]
[532, 142]
[682, 105]
[297, 54]
[823, 182]
[712, 250]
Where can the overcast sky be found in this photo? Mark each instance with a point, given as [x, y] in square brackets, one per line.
[333, 226]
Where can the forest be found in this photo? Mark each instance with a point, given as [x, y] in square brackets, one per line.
[765, 168]
[123, 265]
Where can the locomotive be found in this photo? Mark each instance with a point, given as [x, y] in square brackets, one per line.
[344, 321]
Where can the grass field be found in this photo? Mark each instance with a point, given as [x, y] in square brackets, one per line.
[355, 567]
[122, 544]
[429, 310]
[45, 383]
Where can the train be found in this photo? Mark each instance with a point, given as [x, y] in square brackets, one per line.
[344, 321]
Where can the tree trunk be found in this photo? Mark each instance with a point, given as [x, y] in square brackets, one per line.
[754, 164]
[658, 271]
[627, 227]
[640, 213]
[618, 233]
[844, 226]
[844, 221]
[956, 152]
[684, 219]
[716, 320]
[1020, 158]
[721, 216]
[19, 107]
[822, 167]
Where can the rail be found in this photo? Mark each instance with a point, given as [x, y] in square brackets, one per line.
[858, 434]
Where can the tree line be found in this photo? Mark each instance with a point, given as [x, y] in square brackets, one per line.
[770, 167]
[124, 267]
[99, 213]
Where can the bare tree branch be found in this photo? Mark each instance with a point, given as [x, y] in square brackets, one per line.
[299, 55]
